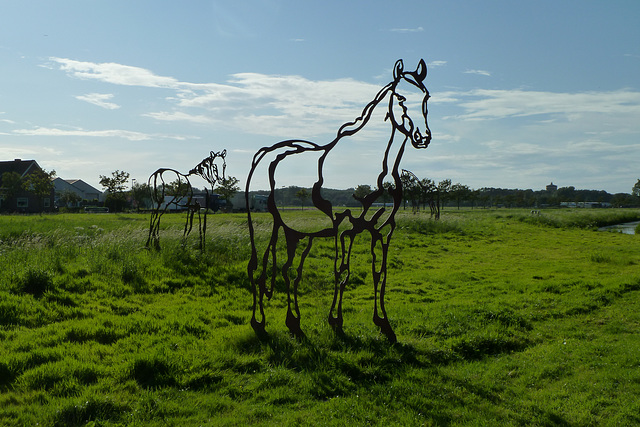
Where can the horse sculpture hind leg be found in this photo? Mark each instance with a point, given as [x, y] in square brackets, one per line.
[266, 267]
[342, 273]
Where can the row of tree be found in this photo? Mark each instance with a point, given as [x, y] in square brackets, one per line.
[418, 193]
[433, 195]
[427, 192]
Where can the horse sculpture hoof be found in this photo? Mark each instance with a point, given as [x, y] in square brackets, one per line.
[293, 323]
[385, 328]
[258, 327]
[335, 323]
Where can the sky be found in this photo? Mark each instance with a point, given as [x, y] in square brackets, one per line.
[523, 93]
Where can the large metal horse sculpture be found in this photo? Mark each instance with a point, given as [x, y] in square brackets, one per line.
[344, 225]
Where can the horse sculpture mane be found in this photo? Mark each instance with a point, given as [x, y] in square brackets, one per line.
[351, 224]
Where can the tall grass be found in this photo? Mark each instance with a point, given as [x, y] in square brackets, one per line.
[503, 318]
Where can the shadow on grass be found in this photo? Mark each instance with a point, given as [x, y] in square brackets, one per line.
[345, 365]
[336, 364]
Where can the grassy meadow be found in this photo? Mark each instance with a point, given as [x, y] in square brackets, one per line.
[502, 318]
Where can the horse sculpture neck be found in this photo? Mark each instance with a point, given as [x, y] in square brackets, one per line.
[351, 128]
[392, 154]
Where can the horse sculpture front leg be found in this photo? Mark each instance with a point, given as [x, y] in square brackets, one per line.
[380, 318]
[293, 310]
[342, 271]
[154, 230]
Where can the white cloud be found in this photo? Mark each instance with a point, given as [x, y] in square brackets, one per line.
[479, 72]
[180, 116]
[407, 30]
[115, 73]
[258, 103]
[99, 99]
[5, 120]
[112, 133]
[485, 104]
[434, 64]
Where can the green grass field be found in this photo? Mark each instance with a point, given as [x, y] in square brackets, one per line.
[502, 318]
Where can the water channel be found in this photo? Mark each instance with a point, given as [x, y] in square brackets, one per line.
[625, 227]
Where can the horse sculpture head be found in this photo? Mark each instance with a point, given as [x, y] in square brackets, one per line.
[398, 111]
[209, 169]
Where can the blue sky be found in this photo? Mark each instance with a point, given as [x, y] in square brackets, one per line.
[522, 93]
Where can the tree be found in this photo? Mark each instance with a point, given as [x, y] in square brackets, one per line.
[117, 183]
[428, 193]
[11, 184]
[442, 194]
[39, 182]
[302, 195]
[179, 188]
[69, 198]
[141, 195]
[636, 189]
[566, 194]
[115, 186]
[410, 189]
[386, 193]
[459, 192]
[227, 188]
[361, 192]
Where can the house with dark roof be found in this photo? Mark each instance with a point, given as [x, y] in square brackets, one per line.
[83, 190]
[14, 197]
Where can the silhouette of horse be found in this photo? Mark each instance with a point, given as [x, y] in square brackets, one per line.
[169, 189]
[351, 224]
[169, 184]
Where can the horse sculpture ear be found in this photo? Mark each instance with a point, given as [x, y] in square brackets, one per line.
[397, 69]
[421, 71]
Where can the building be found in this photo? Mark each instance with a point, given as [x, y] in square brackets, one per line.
[83, 190]
[13, 196]
[551, 187]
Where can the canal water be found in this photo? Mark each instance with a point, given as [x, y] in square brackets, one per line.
[626, 227]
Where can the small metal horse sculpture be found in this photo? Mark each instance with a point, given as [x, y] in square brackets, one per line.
[179, 194]
[166, 193]
[403, 130]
